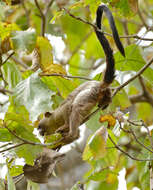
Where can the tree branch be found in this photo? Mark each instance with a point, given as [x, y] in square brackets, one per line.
[30, 142]
[43, 15]
[12, 147]
[145, 96]
[65, 76]
[43, 19]
[134, 77]
[122, 86]
[127, 154]
[9, 56]
[95, 27]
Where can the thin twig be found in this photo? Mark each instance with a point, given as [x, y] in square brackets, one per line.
[25, 141]
[127, 154]
[95, 27]
[20, 62]
[80, 19]
[132, 132]
[149, 136]
[120, 87]
[65, 76]
[26, 12]
[4, 91]
[43, 22]
[48, 6]
[142, 19]
[12, 147]
[9, 56]
[139, 141]
[4, 145]
[137, 37]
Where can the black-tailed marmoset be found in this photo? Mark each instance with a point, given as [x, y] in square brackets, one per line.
[72, 112]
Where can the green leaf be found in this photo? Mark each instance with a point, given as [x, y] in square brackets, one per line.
[6, 29]
[18, 118]
[24, 40]
[5, 136]
[11, 185]
[93, 123]
[120, 100]
[28, 152]
[34, 95]
[52, 139]
[2, 186]
[97, 143]
[32, 186]
[65, 86]
[144, 115]
[144, 175]
[92, 5]
[20, 125]
[16, 170]
[133, 61]
[57, 15]
[76, 186]
[74, 30]
[11, 74]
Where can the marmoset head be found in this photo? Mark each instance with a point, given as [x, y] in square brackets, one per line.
[47, 123]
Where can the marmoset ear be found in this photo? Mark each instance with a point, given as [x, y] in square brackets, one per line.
[48, 114]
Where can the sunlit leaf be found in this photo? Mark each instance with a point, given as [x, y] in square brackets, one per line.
[53, 138]
[16, 170]
[76, 5]
[45, 50]
[6, 29]
[5, 136]
[56, 16]
[96, 146]
[29, 156]
[55, 68]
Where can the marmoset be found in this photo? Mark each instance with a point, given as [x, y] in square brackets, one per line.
[72, 112]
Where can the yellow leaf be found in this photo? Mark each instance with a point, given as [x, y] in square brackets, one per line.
[109, 118]
[133, 5]
[6, 29]
[54, 68]
[45, 51]
[77, 4]
[111, 178]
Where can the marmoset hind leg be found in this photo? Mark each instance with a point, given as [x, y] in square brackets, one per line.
[77, 116]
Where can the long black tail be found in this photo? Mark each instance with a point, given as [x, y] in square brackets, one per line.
[110, 69]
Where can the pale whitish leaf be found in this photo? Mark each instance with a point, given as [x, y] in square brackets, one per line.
[11, 74]
[34, 95]
[24, 40]
[116, 129]
[11, 185]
